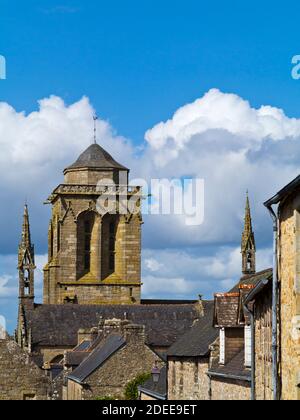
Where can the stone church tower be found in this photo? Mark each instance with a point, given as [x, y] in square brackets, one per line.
[248, 243]
[94, 251]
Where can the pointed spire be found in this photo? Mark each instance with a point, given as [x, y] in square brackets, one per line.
[248, 242]
[248, 231]
[26, 264]
[26, 239]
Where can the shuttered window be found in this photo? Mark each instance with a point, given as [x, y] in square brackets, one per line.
[222, 346]
[248, 341]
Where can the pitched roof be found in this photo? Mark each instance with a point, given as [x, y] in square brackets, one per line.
[234, 369]
[284, 192]
[196, 341]
[158, 390]
[103, 352]
[259, 288]
[252, 279]
[75, 358]
[78, 354]
[58, 325]
[97, 158]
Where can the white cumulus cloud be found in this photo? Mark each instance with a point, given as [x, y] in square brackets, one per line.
[219, 138]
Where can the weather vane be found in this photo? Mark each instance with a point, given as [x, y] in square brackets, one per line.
[95, 118]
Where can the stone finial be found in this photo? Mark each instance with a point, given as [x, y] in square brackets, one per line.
[114, 326]
[201, 307]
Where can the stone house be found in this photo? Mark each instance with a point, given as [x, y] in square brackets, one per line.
[229, 372]
[259, 304]
[285, 210]
[185, 375]
[188, 360]
[20, 378]
[118, 356]
[231, 365]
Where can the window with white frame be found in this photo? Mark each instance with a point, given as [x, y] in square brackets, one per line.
[222, 346]
[248, 343]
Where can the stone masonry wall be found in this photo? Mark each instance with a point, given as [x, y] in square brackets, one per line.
[263, 346]
[19, 378]
[289, 276]
[187, 379]
[229, 389]
[65, 275]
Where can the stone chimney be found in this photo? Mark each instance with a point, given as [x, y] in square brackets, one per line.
[134, 333]
[114, 326]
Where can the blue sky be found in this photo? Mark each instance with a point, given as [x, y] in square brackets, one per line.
[138, 63]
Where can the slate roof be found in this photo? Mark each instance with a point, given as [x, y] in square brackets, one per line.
[196, 341]
[75, 358]
[58, 325]
[234, 369]
[158, 390]
[253, 279]
[97, 158]
[105, 350]
[284, 192]
[259, 288]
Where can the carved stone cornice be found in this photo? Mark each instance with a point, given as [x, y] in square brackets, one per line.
[70, 189]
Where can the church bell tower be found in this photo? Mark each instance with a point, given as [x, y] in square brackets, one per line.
[94, 252]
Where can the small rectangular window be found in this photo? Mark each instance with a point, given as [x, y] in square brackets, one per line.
[248, 345]
[222, 346]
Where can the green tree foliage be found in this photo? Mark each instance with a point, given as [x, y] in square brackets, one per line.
[131, 390]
